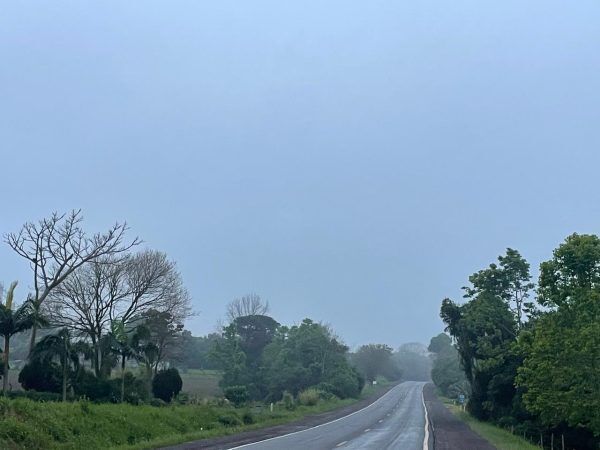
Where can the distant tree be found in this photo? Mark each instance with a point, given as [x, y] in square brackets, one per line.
[248, 305]
[61, 347]
[446, 372]
[413, 362]
[14, 321]
[196, 352]
[375, 360]
[164, 340]
[56, 246]
[308, 355]
[240, 352]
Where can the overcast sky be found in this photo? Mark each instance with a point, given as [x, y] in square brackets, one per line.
[352, 162]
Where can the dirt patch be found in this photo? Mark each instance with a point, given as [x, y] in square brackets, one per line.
[448, 431]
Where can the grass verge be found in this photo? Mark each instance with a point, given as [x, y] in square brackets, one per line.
[26, 424]
[498, 437]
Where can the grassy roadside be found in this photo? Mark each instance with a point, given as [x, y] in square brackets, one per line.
[498, 437]
[26, 424]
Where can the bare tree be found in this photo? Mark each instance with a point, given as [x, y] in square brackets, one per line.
[248, 305]
[56, 246]
[118, 289]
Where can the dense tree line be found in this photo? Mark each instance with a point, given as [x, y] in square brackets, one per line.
[532, 366]
[263, 359]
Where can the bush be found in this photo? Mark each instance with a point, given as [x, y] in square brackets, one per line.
[309, 397]
[96, 389]
[288, 401]
[136, 390]
[238, 395]
[42, 376]
[230, 420]
[167, 384]
[247, 418]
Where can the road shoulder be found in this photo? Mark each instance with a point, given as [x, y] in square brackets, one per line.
[248, 437]
[448, 432]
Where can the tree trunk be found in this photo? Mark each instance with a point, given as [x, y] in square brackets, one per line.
[6, 353]
[65, 377]
[96, 356]
[33, 335]
[123, 379]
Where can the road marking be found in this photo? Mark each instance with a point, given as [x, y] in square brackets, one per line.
[426, 438]
[321, 425]
[341, 443]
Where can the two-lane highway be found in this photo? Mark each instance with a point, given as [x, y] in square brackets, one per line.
[394, 421]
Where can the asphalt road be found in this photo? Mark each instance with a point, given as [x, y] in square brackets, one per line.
[394, 421]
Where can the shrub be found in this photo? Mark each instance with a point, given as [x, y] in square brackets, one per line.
[288, 401]
[229, 420]
[42, 376]
[247, 418]
[309, 397]
[238, 395]
[95, 389]
[167, 384]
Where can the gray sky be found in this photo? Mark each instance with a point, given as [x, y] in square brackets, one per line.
[352, 162]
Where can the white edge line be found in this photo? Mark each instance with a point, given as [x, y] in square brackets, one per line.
[426, 438]
[318, 426]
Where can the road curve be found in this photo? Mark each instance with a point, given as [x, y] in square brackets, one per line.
[394, 421]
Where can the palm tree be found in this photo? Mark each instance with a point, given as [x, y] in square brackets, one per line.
[127, 343]
[59, 345]
[13, 322]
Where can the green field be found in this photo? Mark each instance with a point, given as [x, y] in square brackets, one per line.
[201, 383]
[498, 437]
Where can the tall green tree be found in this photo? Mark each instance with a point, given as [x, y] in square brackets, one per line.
[561, 368]
[485, 330]
[509, 280]
[14, 321]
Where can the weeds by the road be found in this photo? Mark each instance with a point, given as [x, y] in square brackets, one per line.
[498, 437]
[28, 424]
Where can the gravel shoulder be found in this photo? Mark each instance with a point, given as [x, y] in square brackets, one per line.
[448, 432]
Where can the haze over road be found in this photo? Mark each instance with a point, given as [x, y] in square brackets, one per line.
[394, 421]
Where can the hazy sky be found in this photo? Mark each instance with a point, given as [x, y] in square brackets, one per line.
[352, 162]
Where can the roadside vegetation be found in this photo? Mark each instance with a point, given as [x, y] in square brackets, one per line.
[528, 365]
[97, 354]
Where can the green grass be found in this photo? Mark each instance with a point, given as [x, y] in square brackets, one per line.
[26, 424]
[201, 383]
[498, 437]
